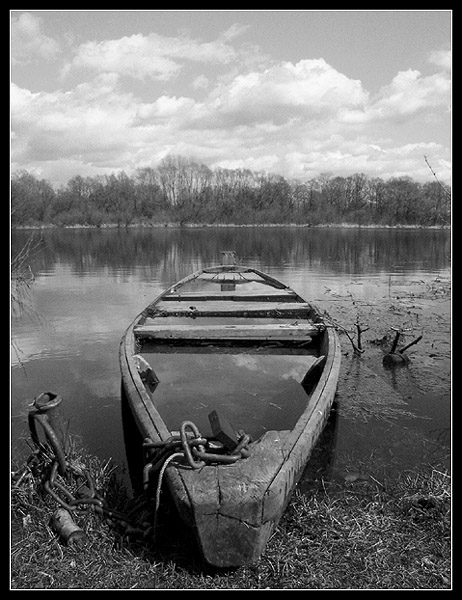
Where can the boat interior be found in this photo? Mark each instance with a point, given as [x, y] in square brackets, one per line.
[233, 342]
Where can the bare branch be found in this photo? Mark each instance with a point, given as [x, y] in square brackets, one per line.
[448, 194]
[411, 344]
[357, 349]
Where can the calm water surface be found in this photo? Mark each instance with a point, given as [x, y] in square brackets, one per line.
[89, 285]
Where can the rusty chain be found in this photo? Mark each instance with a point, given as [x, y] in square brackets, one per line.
[51, 454]
[188, 447]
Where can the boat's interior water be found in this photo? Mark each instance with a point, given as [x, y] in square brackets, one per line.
[255, 392]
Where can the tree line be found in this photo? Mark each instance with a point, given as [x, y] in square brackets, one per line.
[182, 190]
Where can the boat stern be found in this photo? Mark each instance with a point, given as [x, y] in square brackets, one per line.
[225, 504]
[228, 542]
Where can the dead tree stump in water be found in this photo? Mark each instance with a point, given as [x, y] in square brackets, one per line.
[395, 359]
[398, 359]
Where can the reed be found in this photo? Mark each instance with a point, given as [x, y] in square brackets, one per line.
[22, 277]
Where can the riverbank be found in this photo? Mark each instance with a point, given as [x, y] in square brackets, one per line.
[155, 225]
[359, 533]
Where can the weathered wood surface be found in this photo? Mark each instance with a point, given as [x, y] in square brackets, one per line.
[235, 508]
[312, 375]
[230, 347]
[232, 309]
[147, 418]
[284, 332]
[227, 503]
[245, 274]
[240, 278]
[234, 296]
[238, 506]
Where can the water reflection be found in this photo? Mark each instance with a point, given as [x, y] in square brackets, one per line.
[89, 285]
[255, 393]
[163, 251]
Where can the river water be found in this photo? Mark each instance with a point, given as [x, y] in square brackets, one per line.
[90, 283]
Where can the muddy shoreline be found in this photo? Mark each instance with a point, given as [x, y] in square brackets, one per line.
[409, 405]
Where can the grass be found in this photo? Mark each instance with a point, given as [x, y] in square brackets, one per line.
[370, 538]
[355, 535]
[21, 280]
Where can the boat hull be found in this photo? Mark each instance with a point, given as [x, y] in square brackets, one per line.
[234, 508]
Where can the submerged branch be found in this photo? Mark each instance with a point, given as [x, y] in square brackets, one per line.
[395, 342]
[411, 344]
[356, 347]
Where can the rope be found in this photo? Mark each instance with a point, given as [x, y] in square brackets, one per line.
[168, 460]
[190, 448]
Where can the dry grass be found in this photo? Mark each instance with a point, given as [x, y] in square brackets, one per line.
[21, 280]
[22, 277]
[366, 537]
[360, 535]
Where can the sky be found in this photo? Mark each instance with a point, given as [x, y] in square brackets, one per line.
[294, 93]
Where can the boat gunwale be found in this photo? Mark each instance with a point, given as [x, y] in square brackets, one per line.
[128, 347]
[127, 350]
[293, 454]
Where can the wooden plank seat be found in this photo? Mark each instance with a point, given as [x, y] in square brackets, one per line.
[239, 278]
[231, 309]
[268, 332]
[232, 296]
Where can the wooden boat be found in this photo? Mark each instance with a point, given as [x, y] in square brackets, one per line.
[230, 489]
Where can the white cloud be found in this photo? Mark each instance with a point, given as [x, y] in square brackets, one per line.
[200, 82]
[233, 32]
[135, 56]
[298, 119]
[28, 41]
[150, 56]
[164, 108]
[58, 125]
[267, 162]
[442, 59]
[367, 158]
[409, 93]
[309, 88]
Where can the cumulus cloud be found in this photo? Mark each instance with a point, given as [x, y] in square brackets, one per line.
[410, 92]
[150, 56]
[29, 42]
[309, 88]
[298, 119]
[164, 108]
[58, 125]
